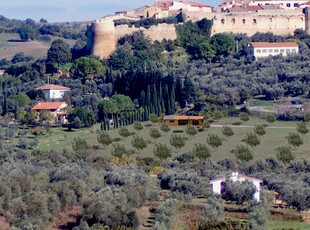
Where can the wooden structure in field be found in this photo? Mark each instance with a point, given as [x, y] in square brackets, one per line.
[173, 120]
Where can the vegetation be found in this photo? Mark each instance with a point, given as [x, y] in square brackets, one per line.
[60, 168]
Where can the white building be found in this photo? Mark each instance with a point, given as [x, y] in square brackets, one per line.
[264, 49]
[285, 4]
[53, 92]
[218, 185]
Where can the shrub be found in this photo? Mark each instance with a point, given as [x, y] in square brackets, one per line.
[213, 209]
[201, 151]
[177, 141]
[137, 126]
[164, 127]
[214, 140]
[237, 123]
[259, 130]
[161, 151]
[178, 131]
[104, 138]
[118, 150]
[284, 154]
[123, 132]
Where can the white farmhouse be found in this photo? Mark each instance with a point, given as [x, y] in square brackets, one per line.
[53, 92]
[265, 49]
[218, 185]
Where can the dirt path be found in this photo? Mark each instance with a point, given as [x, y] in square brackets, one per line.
[252, 126]
[66, 220]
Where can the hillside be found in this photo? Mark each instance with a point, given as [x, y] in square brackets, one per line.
[10, 44]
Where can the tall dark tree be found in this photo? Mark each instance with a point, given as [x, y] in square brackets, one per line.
[59, 53]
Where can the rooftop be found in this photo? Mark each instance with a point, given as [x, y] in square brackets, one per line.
[273, 44]
[52, 86]
[48, 105]
[173, 117]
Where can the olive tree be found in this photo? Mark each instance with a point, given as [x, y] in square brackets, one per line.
[161, 151]
[244, 117]
[302, 128]
[251, 139]
[191, 130]
[214, 140]
[243, 153]
[104, 138]
[201, 151]
[259, 130]
[154, 133]
[294, 139]
[213, 209]
[227, 131]
[177, 141]
[284, 154]
[139, 143]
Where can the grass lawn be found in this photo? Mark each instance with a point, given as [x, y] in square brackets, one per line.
[59, 139]
[292, 225]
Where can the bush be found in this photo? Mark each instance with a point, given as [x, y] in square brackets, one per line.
[237, 123]
[178, 131]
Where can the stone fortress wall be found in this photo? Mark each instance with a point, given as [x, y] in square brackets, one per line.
[103, 35]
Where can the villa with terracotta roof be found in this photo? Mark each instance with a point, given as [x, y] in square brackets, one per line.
[53, 92]
[218, 184]
[265, 49]
[173, 120]
[57, 109]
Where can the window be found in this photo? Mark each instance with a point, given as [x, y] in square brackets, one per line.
[276, 50]
[295, 4]
[264, 50]
[223, 21]
[270, 19]
[294, 51]
[258, 51]
[288, 19]
[243, 21]
[270, 50]
[195, 122]
[171, 121]
[254, 21]
[288, 5]
[288, 51]
[233, 21]
[182, 122]
[281, 50]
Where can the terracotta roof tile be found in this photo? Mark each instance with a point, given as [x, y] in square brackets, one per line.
[273, 44]
[48, 105]
[52, 86]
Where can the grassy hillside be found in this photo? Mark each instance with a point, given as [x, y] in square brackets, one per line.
[275, 137]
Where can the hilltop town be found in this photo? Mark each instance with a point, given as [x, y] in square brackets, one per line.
[281, 17]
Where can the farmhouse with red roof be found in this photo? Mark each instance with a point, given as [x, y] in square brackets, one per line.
[57, 109]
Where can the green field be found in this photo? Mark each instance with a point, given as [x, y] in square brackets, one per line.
[292, 225]
[59, 139]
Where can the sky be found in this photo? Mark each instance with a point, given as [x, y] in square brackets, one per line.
[71, 10]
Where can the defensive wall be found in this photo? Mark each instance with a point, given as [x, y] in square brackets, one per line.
[102, 34]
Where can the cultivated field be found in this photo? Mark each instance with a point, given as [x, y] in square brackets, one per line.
[10, 44]
[58, 139]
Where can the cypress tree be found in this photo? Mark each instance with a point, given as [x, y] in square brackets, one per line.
[172, 100]
[148, 97]
[142, 98]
